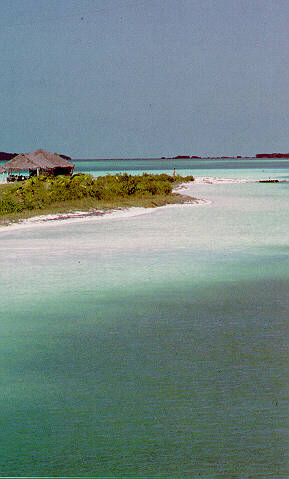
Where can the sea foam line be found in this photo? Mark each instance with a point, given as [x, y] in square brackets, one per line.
[216, 180]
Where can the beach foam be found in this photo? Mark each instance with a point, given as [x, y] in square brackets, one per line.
[216, 181]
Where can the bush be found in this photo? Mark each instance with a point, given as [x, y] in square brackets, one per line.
[39, 192]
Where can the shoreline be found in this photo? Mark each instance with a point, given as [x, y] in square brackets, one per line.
[179, 197]
[182, 158]
[93, 213]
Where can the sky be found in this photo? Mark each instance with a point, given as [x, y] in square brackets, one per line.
[144, 78]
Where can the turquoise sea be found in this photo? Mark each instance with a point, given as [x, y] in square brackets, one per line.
[151, 343]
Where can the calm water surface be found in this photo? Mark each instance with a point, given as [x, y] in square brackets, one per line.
[154, 345]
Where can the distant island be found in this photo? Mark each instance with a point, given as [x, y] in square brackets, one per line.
[8, 156]
[272, 155]
[258, 155]
[181, 157]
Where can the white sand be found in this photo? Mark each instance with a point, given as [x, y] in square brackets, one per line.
[93, 215]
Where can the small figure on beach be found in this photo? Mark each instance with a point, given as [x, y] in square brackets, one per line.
[174, 173]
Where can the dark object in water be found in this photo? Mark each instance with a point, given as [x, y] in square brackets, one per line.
[269, 181]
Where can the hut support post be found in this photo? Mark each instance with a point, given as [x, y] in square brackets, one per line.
[37, 171]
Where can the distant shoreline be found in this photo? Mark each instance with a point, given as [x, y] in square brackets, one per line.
[221, 158]
[258, 157]
[164, 159]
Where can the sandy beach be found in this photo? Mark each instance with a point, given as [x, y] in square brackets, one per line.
[92, 215]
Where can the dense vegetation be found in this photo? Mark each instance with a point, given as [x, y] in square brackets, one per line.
[37, 193]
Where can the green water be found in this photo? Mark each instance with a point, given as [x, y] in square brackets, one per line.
[149, 346]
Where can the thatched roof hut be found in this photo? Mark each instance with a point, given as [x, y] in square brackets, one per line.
[39, 161]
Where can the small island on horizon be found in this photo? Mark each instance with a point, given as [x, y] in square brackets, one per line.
[4, 156]
[258, 155]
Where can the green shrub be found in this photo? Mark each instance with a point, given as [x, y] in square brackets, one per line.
[39, 192]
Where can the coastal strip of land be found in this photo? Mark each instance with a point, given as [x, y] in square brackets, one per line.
[53, 199]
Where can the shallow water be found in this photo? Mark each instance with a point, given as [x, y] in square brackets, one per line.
[151, 345]
[251, 169]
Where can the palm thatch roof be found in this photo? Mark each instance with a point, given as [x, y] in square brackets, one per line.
[39, 159]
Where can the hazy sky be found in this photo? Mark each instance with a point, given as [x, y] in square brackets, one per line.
[144, 78]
